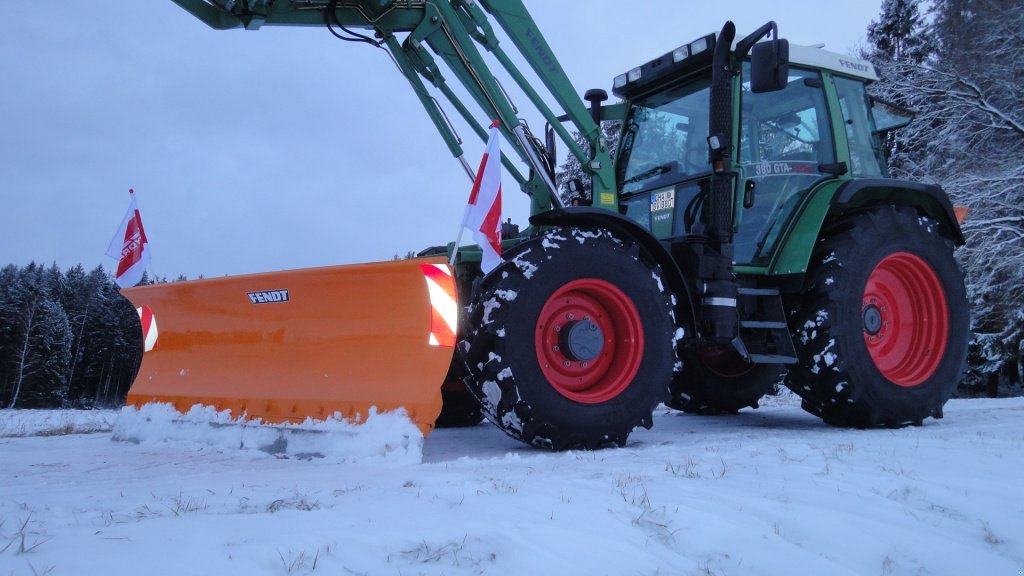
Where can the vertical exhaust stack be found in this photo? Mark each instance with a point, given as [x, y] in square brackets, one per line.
[717, 282]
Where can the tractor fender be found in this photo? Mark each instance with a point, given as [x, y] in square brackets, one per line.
[834, 199]
[930, 198]
[599, 218]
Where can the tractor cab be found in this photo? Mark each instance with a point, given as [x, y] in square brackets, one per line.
[784, 148]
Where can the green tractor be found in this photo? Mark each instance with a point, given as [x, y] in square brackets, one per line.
[757, 229]
[745, 235]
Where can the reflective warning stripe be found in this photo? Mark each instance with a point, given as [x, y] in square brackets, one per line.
[149, 331]
[444, 310]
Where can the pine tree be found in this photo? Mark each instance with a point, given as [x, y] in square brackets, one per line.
[898, 35]
[9, 305]
[50, 345]
[38, 343]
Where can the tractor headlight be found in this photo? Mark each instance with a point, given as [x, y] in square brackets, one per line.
[698, 46]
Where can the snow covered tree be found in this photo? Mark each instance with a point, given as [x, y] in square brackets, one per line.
[969, 138]
[110, 345]
[898, 33]
[37, 343]
[571, 170]
[66, 340]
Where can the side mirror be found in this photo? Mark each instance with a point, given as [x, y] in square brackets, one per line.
[769, 66]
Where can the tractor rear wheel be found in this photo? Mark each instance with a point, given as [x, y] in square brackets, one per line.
[881, 328]
[720, 381]
[571, 341]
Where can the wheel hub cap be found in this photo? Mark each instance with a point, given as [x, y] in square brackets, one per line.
[581, 340]
[872, 320]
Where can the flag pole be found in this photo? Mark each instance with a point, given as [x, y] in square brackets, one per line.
[465, 213]
[149, 264]
[473, 177]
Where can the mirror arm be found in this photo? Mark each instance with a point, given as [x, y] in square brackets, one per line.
[743, 46]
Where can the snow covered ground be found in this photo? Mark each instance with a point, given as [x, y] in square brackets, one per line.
[771, 491]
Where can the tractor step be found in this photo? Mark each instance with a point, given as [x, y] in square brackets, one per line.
[763, 327]
[744, 291]
[772, 359]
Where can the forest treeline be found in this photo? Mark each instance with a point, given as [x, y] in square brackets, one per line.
[68, 339]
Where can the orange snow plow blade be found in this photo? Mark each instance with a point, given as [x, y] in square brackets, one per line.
[961, 213]
[286, 346]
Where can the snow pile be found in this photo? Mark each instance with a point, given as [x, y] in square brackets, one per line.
[384, 437]
[14, 423]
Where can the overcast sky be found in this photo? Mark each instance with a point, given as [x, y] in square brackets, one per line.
[280, 148]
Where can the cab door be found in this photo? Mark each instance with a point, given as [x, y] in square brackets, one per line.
[786, 148]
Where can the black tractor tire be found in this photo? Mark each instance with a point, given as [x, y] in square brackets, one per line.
[570, 342]
[459, 409]
[881, 329]
[720, 382]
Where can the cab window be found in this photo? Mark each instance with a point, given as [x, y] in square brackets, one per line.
[665, 138]
[865, 154]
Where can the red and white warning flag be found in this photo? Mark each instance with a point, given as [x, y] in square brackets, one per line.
[130, 247]
[483, 214]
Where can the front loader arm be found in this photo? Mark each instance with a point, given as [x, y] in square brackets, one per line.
[253, 14]
[414, 32]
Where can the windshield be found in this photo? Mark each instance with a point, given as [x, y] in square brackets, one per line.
[665, 137]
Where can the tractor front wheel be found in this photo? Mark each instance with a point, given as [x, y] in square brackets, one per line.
[571, 341]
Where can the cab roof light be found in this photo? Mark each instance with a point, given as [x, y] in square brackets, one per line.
[698, 46]
[692, 55]
[680, 54]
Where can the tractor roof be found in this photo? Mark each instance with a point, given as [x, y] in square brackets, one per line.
[817, 57]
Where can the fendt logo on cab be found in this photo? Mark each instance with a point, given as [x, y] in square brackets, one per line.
[268, 296]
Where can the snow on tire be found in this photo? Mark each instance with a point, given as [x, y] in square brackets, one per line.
[570, 342]
[881, 329]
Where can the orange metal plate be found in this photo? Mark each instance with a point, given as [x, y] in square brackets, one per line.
[961, 213]
[347, 338]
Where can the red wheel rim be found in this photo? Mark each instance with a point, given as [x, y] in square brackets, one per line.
[617, 352]
[724, 362]
[906, 319]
